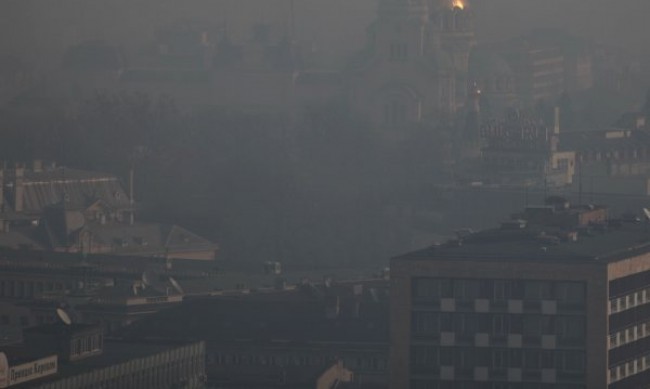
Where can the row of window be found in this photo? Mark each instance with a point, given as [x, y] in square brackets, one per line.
[629, 335]
[361, 362]
[426, 384]
[629, 301]
[629, 368]
[86, 344]
[432, 323]
[28, 289]
[430, 289]
[425, 357]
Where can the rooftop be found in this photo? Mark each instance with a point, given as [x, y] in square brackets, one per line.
[310, 313]
[605, 242]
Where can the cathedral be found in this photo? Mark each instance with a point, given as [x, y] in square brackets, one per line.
[417, 63]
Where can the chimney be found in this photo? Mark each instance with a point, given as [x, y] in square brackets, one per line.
[19, 187]
[556, 121]
[37, 166]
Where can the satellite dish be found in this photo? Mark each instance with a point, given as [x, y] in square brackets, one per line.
[63, 315]
[147, 278]
[176, 285]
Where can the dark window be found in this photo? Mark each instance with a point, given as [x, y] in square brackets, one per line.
[499, 358]
[532, 325]
[499, 325]
[426, 323]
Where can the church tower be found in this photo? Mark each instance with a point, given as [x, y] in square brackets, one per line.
[454, 34]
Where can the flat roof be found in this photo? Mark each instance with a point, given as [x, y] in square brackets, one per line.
[605, 243]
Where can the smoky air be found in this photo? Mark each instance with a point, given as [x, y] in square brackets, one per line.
[363, 194]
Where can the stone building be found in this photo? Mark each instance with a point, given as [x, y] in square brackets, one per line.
[416, 68]
[46, 207]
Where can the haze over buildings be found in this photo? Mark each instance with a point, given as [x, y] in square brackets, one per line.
[310, 141]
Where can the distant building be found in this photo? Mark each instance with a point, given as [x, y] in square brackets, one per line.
[555, 298]
[416, 67]
[532, 69]
[522, 150]
[70, 210]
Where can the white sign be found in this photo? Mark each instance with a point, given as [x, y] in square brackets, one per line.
[30, 371]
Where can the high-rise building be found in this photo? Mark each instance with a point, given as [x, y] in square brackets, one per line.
[558, 297]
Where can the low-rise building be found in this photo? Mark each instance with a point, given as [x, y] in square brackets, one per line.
[72, 355]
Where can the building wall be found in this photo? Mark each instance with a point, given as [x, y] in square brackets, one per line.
[629, 322]
[179, 367]
[594, 314]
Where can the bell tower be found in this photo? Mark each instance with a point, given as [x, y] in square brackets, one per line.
[454, 30]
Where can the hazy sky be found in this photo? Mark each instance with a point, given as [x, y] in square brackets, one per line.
[40, 28]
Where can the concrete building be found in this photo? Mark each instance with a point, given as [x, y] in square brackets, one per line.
[556, 298]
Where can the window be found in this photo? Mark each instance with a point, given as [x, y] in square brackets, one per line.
[466, 289]
[613, 374]
[532, 325]
[532, 359]
[499, 290]
[426, 323]
[515, 358]
[425, 356]
[498, 325]
[499, 359]
[613, 306]
[571, 292]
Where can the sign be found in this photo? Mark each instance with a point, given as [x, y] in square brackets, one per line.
[28, 371]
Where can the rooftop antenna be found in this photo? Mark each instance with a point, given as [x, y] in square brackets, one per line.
[63, 316]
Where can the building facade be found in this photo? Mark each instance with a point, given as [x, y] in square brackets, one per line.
[529, 305]
[418, 61]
